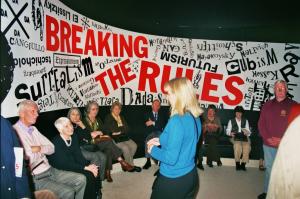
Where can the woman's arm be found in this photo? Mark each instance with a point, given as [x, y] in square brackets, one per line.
[169, 153]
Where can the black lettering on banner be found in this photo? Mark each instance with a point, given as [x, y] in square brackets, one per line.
[26, 44]
[289, 70]
[76, 99]
[88, 66]
[66, 60]
[161, 41]
[38, 17]
[128, 97]
[197, 79]
[238, 65]
[185, 61]
[85, 23]
[75, 18]
[16, 18]
[107, 101]
[261, 95]
[57, 10]
[3, 13]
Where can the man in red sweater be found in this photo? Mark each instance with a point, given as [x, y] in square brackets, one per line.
[272, 124]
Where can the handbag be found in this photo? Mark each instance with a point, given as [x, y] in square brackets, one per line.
[240, 137]
[101, 138]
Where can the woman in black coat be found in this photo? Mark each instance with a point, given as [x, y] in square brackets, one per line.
[68, 157]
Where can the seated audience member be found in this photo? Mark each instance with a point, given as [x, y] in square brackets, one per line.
[155, 122]
[95, 126]
[68, 157]
[89, 151]
[14, 181]
[64, 184]
[285, 174]
[212, 130]
[238, 128]
[118, 129]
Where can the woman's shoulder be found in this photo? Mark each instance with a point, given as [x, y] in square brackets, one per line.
[57, 140]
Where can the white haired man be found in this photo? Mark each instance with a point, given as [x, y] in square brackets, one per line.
[64, 184]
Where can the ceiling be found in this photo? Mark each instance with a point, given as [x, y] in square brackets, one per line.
[224, 20]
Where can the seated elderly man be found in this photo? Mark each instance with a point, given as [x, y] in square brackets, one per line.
[64, 184]
[68, 157]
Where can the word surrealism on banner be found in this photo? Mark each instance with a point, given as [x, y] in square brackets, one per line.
[60, 58]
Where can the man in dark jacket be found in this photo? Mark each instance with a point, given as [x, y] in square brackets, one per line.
[155, 122]
[12, 185]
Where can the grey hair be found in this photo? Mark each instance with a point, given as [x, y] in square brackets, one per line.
[89, 106]
[25, 104]
[74, 109]
[60, 123]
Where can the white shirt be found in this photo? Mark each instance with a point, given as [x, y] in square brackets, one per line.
[229, 127]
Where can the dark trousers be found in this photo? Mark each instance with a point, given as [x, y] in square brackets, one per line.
[212, 153]
[92, 185]
[111, 150]
[98, 158]
[184, 187]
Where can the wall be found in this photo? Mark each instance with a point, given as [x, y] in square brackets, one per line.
[60, 58]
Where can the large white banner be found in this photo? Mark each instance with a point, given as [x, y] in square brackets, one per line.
[63, 59]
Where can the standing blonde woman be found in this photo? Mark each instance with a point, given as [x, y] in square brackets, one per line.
[178, 177]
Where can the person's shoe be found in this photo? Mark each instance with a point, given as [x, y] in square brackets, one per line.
[147, 164]
[209, 164]
[261, 167]
[219, 163]
[243, 166]
[262, 196]
[136, 169]
[108, 176]
[155, 161]
[99, 195]
[200, 166]
[237, 166]
[125, 166]
[156, 172]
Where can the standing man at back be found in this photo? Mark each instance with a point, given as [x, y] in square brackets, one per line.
[272, 124]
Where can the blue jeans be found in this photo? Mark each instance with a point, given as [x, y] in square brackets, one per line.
[270, 154]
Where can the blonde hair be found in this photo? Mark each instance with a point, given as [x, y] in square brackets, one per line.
[185, 97]
[280, 81]
[60, 123]
[25, 104]
[114, 104]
